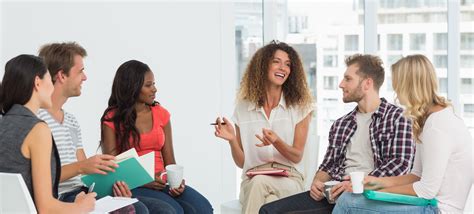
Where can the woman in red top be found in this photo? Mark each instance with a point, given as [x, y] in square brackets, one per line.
[134, 120]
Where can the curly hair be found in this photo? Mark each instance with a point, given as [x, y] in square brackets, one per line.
[415, 82]
[254, 81]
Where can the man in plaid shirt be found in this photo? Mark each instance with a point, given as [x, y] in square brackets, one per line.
[374, 138]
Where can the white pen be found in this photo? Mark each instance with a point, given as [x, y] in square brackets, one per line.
[91, 187]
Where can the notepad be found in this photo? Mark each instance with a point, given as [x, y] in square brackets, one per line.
[399, 198]
[108, 204]
[133, 170]
[268, 171]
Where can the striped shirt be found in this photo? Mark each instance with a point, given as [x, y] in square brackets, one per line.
[390, 138]
[67, 136]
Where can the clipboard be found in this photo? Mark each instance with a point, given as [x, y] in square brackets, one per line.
[399, 198]
[268, 171]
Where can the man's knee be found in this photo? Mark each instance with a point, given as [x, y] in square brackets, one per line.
[268, 208]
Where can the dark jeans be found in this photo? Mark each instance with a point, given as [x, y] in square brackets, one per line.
[299, 203]
[189, 202]
[144, 205]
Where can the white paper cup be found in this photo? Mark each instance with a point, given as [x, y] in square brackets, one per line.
[356, 179]
[174, 175]
[327, 190]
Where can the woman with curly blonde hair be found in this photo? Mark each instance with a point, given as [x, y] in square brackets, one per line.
[272, 118]
[442, 167]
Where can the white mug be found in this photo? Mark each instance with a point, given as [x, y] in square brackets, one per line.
[174, 175]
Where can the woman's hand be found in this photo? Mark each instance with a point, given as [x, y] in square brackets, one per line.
[121, 189]
[86, 201]
[226, 131]
[157, 184]
[178, 191]
[268, 137]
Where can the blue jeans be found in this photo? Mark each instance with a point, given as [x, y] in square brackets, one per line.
[299, 203]
[357, 203]
[143, 206]
[190, 201]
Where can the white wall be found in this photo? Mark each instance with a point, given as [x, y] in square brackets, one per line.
[188, 45]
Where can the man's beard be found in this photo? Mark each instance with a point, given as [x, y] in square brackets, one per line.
[355, 96]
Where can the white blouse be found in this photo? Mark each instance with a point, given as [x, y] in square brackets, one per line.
[443, 161]
[252, 119]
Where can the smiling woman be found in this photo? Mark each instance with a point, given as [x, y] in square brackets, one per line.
[273, 100]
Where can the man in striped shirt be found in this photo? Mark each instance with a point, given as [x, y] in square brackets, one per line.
[66, 66]
[374, 138]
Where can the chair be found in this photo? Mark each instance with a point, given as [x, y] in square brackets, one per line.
[310, 162]
[14, 195]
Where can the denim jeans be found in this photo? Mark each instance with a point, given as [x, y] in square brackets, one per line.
[190, 201]
[300, 203]
[357, 203]
[143, 206]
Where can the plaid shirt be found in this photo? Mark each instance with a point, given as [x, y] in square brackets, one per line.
[390, 137]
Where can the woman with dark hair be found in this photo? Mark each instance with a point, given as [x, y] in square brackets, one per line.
[134, 120]
[272, 117]
[26, 144]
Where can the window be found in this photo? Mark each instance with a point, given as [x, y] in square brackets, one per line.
[297, 24]
[392, 59]
[391, 4]
[414, 3]
[394, 42]
[467, 61]
[443, 85]
[467, 41]
[351, 42]
[330, 43]
[436, 3]
[335, 29]
[440, 41]
[330, 83]
[417, 41]
[330, 61]
[469, 110]
[378, 42]
[466, 86]
[248, 32]
[440, 61]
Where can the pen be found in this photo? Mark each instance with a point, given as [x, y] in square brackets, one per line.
[91, 187]
[213, 124]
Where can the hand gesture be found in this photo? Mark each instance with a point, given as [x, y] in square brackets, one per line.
[120, 189]
[178, 191]
[86, 202]
[317, 189]
[226, 131]
[158, 183]
[98, 164]
[268, 137]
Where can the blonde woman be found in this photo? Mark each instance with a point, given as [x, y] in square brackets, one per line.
[272, 117]
[443, 159]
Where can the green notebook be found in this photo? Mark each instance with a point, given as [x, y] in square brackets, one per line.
[399, 198]
[130, 171]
